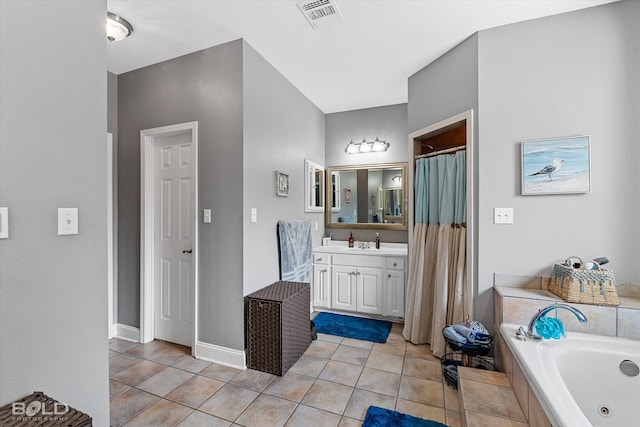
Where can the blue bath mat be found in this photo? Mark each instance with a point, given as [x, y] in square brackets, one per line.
[380, 417]
[352, 327]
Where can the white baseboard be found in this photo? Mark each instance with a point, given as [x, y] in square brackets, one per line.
[128, 333]
[222, 355]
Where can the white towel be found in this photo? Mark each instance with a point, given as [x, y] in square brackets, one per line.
[296, 259]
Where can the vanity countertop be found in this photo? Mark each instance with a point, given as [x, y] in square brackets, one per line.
[342, 247]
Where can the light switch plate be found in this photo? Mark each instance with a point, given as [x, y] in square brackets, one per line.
[254, 214]
[207, 216]
[4, 223]
[503, 215]
[67, 221]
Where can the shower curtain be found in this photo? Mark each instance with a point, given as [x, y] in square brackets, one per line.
[438, 273]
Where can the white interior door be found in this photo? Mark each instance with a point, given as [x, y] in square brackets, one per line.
[174, 238]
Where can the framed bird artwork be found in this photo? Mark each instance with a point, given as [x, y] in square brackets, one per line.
[556, 166]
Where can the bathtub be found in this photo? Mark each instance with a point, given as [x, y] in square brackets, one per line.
[578, 379]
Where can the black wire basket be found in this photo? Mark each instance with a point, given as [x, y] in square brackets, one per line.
[451, 361]
[470, 348]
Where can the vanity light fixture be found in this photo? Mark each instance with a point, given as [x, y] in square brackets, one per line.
[118, 28]
[366, 146]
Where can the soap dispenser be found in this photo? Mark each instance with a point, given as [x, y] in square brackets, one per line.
[351, 240]
[377, 240]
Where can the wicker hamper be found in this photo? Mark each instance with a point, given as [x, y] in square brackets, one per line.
[278, 326]
[583, 286]
[41, 410]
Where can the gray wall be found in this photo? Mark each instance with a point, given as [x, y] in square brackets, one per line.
[576, 73]
[252, 121]
[281, 128]
[204, 86]
[53, 297]
[569, 74]
[388, 123]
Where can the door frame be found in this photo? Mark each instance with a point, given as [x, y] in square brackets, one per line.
[112, 297]
[147, 219]
[467, 117]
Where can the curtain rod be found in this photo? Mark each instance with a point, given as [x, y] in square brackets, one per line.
[448, 150]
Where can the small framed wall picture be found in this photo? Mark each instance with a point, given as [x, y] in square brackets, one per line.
[282, 184]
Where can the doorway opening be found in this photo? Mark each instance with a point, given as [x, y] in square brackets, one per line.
[169, 234]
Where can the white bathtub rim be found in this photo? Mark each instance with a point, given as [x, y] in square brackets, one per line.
[545, 381]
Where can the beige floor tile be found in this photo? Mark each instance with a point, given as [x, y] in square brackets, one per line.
[195, 391]
[352, 342]
[328, 396]
[116, 388]
[191, 364]
[252, 379]
[451, 398]
[491, 399]
[330, 338]
[129, 404]
[121, 362]
[420, 410]
[165, 381]
[422, 351]
[476, 419]
[422, 391]
[200, 419]
[322, 349]
[361, 400]
[394, 347]
[379, 381]
[139, 372]
[228, 402]
[422, 368]
[385, 361]
[122, 346]
[483, 376]
[220, 372]
[291, 386]
[306, 416]
[170, 355]
[309, 365]
[148, 349]
[341, 372]
[354, 355]
[453, 418]
[349, 422]
[163, 413]
[267, 410]
[113, 354]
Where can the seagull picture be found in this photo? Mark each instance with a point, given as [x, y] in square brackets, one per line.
[549, 169]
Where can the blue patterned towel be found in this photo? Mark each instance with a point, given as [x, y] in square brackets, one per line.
[296, 259]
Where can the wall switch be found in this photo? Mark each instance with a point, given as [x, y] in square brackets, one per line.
[206, 216]
[503, 215]
[4, 223]
[67, 221]
[254, 214]
[316, 225]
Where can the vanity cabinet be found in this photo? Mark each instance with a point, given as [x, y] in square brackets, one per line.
[371, 283]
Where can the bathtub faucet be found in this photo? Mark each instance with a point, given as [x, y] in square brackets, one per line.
[532, 324]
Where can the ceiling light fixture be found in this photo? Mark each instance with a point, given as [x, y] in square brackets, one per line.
[366, 146]
[118, 28]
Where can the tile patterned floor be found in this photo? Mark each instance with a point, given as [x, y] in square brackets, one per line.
[332, 384]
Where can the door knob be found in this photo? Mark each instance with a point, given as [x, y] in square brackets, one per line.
[187, 251]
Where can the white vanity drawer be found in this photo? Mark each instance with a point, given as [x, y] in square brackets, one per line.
[395, 263]
[321, 258]
[359, 260]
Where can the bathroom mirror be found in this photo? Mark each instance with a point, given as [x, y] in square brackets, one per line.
[313, 187]
[367, 196]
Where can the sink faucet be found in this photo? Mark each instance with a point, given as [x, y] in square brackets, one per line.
[532, 323]
[364, 245]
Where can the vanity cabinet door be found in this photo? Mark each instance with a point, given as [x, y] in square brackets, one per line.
[321, 286]
[369, 290]
[394, 285]
[343, 288]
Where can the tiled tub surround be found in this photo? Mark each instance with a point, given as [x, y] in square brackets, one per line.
[517, 298]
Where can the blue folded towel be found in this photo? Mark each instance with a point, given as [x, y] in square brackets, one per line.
[450, 332]
[471, 335]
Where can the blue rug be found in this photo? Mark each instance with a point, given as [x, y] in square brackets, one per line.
[352, 327]
[380, 417]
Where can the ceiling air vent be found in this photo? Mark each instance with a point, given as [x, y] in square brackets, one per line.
[320, 13]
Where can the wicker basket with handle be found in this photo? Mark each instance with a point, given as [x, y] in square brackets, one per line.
[582, 286]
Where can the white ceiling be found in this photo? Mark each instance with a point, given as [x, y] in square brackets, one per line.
[362, 62]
